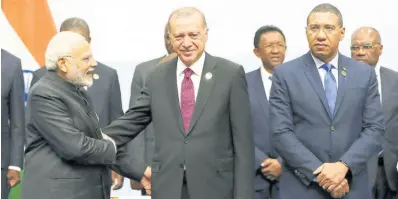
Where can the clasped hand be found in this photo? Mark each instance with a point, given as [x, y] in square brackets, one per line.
[331, 177]
[146, 180]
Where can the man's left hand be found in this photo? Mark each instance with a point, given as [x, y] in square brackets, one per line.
[117, 181]
[331, 174]
[13, 177]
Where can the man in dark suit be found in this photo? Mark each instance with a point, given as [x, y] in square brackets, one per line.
[105, 92]
[270, 47]
[366, 47]
[326, 116]
[12, 121]
[200, 110]
[143, 145]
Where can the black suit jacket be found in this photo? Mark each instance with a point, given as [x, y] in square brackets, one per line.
[104, 93]
[12, 111]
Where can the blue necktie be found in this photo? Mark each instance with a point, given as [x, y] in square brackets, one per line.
[330, 87]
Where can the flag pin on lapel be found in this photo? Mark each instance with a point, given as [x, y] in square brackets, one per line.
[208, 76]
[343, 72]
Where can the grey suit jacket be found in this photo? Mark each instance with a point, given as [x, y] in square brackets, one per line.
[143, 145]
[306, 136]
[12, 111]
[65, 154]
[104, 93]
[217, 152]
[389, 93]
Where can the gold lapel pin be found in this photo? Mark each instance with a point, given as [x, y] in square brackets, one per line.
[344, 68]
[343, 73]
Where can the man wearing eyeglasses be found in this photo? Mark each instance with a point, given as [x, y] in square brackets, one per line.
[366, 47]
[105, 92]
[326, 116]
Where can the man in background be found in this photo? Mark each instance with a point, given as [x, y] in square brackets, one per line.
[104, 93]
[12, 121]
[366, 47]
[143, 145]
[270, 47]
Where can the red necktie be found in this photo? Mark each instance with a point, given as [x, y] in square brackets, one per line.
[187, 98]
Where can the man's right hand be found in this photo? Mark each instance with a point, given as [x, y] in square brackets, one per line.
[271, 167]
[340, 190]
[146, 180]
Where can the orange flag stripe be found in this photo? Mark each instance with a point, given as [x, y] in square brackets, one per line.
[33, 22]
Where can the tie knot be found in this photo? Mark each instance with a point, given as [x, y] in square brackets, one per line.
[187, 72]
[328, 67]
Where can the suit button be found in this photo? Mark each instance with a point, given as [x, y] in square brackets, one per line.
[186, 141]
[332, 128]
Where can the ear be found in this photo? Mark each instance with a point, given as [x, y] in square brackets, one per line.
[381, 49]
[206, 34]
[62, 64]
[342, 33]
[256, 52]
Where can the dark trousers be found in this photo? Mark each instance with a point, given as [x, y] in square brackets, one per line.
[5, 189]
[184, 190]
[381, 189]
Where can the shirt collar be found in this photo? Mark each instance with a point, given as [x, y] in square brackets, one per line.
[334, 62]
[264, 73]
[377, 69]
[196, 67]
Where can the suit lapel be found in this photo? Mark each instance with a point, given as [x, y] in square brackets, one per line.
[315, 80]
[343, 69]
[205, 87]
[259, 87]
[172, 95]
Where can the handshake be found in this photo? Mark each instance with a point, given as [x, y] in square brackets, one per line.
[331, 177]
[146, 179]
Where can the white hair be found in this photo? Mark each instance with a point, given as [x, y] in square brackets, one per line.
[61, 45]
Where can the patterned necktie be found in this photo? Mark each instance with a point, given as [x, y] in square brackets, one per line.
[330, 87]
[187, 98]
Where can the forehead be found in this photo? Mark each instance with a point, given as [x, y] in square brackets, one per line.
[191, 23]
[363, 37]
[273, 36]
[323, 18]
[81, 49]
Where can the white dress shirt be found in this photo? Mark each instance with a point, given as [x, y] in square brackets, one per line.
[322, 72]
[377, 71]
[197, 69]
[265, 76]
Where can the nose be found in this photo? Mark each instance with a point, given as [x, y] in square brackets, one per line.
[93, 63]
[321, 35]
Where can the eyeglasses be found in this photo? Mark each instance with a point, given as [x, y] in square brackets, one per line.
[356, 48]
[315, 29]
[87, 59]
[277, 46]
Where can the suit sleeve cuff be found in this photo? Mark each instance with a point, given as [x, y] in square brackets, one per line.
[15, 168]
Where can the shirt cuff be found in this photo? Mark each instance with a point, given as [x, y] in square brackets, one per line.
[114, 144]
[15, 168]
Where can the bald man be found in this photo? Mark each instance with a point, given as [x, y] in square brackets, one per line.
[200, 109]
[366, 47]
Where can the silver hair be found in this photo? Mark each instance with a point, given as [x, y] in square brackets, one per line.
[61, 45]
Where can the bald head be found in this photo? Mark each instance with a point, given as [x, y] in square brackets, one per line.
[370, 31]
[76, 25]
[366, 45]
